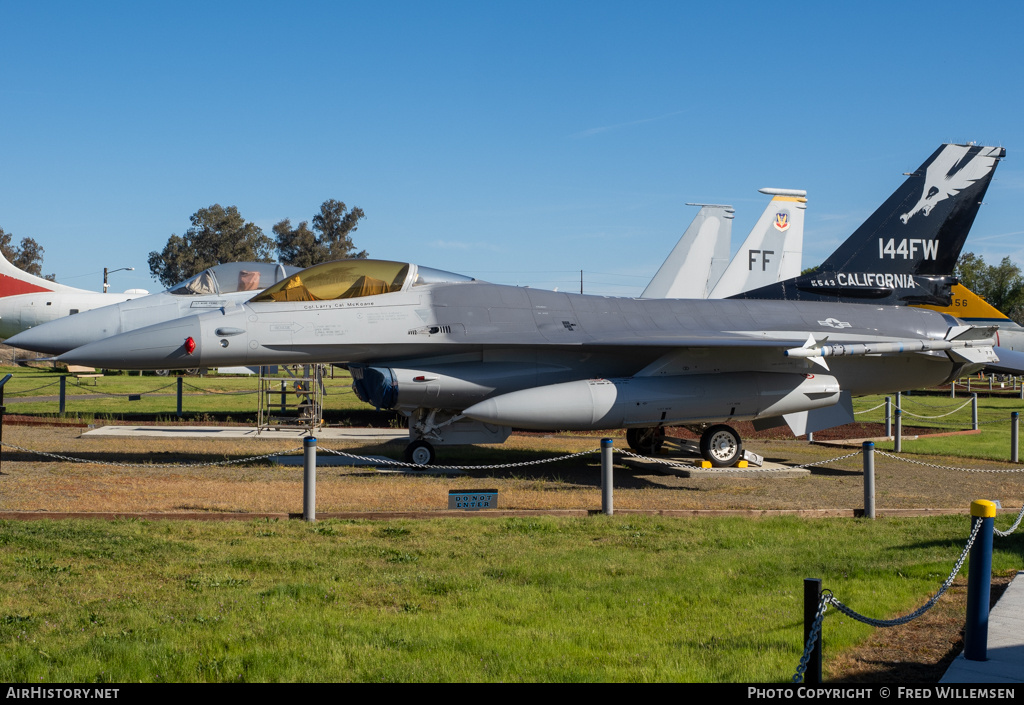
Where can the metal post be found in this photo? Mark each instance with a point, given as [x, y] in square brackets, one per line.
[63, 393]
[179, 395]
[952, 389]
[284, 392]
[888, 416]
[990, 378]
[812, 596]
[968, 384]
[974, 412]
[869, 480]
[810, 436]
[979, 582]
[3, 410]
[309, 480]
[897, 446]
[606, 477]
[1014, 436]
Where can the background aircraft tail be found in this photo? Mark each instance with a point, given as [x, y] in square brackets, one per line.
[13, 281]
[971, 308]
[772, 250]
[698, 259]
[905, 252]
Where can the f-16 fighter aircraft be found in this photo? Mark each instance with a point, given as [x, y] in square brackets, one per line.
[467, 360]
[27, 300]
[213, 288]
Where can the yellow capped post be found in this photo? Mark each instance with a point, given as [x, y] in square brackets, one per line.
[983, 508]
[979, 581]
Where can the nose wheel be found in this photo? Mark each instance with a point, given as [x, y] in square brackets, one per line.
[420, 453]
[720, 445]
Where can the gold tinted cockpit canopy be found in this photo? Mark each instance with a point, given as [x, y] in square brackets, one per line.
[352, 278]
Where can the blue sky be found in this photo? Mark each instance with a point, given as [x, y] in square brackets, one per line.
[518, 142]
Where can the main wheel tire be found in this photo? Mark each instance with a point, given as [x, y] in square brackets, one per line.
[419, 453]
[645, 441]
[721, 446]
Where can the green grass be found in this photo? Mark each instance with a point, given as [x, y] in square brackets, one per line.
[482, 599]
[993, 443]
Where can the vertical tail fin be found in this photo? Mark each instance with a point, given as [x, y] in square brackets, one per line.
[698, 259]
[13, 281]
[905, 252]
[772, 250]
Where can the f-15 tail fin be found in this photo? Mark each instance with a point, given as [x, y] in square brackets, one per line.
[905, 252]
[698, 259]
[772, 250]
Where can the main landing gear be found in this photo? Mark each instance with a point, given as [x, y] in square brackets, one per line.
[720, 445]
[646, 441]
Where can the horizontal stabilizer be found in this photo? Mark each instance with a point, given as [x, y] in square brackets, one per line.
[1011, 362]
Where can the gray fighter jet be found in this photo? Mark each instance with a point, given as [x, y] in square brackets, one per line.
[213, 288]
[467, 360]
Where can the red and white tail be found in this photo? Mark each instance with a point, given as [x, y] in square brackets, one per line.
[13, 281]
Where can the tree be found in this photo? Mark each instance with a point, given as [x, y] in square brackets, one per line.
[330, 238]
[217, 235]
[1000, 285]
[28, 257]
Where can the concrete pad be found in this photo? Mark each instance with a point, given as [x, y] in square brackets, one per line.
[690, 467]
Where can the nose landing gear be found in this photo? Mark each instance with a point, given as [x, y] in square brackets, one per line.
[420, 453]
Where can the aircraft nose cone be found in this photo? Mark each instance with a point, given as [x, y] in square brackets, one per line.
[68, 333]
[159, 347]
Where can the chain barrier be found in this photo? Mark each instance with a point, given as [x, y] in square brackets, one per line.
[827, 598]
[120, 394]
[84, 461]
[857, 413]
[921, 610]
[938, 416]
[210, 391]
[830, 460]
[1013, 528]
[948, 467]
[34, 389]
[400, 463]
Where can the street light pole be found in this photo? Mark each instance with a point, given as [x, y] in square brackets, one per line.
[105, 273]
